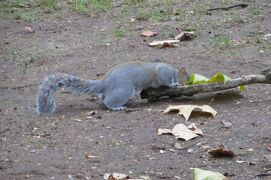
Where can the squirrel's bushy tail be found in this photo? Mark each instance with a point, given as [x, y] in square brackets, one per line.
[45, 102]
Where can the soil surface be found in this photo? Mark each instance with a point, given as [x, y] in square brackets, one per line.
[75, 144]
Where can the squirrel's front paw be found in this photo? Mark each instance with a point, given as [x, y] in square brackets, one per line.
[120, 108]
[174, 85]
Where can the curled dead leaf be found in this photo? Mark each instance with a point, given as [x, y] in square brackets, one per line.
[115, 176]
[186, 110]
[185, 35]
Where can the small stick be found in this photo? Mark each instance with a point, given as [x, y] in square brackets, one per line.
[242, 5]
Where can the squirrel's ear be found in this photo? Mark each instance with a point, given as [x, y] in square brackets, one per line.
[182, 70]
[184, 76]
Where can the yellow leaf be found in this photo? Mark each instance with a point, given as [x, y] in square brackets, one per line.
[197, 79]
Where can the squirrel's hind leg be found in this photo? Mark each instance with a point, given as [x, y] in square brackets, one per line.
[116, 98]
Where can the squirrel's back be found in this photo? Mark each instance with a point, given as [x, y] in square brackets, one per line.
[129, 68]
[140, 74]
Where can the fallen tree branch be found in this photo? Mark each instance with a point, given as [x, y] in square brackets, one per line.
[189, 90]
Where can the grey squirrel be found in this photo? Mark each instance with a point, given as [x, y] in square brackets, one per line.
[115, 88]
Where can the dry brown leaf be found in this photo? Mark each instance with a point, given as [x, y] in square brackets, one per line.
[186, 110]
[165, 43]
[115, 176]
[221, 152]
[185, 35]
[180, 131]
[148, 33]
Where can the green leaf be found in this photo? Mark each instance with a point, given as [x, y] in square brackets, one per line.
[200, 174]
[243, 88]
[197, 79]
[219, 77]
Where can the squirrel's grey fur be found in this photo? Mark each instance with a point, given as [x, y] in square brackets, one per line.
[119, 85]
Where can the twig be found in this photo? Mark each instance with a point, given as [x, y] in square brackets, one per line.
[1, 132]
[242, 5]
[263, 175]
[156, 93]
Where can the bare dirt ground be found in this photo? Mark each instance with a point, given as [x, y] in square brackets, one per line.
[235, 42]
